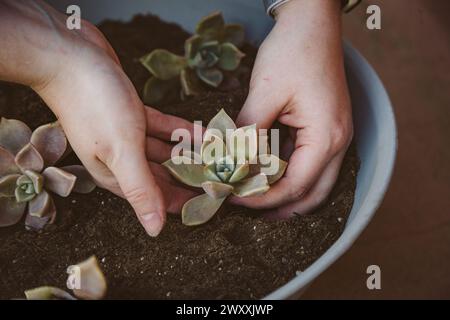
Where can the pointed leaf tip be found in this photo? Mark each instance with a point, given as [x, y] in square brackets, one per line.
[235, 34]
[230, 57]
[185, 171]
[48, 293]
[217, 190]
[92, 280]
[222, 122]
[200, 209]
[163, 64]
[211, 26]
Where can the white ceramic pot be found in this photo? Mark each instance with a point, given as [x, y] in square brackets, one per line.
[375, 130]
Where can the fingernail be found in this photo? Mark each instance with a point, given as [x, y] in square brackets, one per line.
[152, 223]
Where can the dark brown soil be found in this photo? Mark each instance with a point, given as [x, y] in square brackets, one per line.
[236, 255]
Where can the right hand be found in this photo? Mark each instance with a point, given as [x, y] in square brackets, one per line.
[120, 141]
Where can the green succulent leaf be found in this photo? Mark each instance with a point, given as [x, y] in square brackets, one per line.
[14, 135]
[243, 144]
[224, 175]
[156, 90]
[50, 141]
[84, 183]
[40, 205]
[48, 293]
[234, 33]
[59, 181]
[210, 172]
[92, 280]
[10, 211]
[23, 180]
[211, 26]
[213, 149]
[212, 46]
[29, 158]
[252, 186]
[230, 57]
[200, 209]
[204, 60]
[187, 172]
[272, 166]
[192, 46]
[240, 173]
[217, 190]
[221, 122]
[225, 168]
[163, 64]
[7, 163]
[24, 193]
[36, 179]
[8, 185]
[190, 84]
[211, 76]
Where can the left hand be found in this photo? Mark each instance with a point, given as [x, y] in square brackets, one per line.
[299, 80]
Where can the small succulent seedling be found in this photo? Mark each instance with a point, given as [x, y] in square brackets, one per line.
[92, 284]
[28, 174]
[212, 50]
[229, 163]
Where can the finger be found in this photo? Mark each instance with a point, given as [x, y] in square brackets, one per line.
[305, 166]
[157, 150]
[176, 195]
[162, 126]
[262, 106]
[138, 186]
[315, 197]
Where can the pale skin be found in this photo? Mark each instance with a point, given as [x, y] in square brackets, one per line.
[298, 79]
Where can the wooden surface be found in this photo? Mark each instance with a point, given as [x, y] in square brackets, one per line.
[409, 237]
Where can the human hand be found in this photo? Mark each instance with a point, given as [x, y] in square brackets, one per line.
[118, 139]
[299, 80]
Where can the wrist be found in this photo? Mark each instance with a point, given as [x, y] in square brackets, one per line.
[315, 24]
[294, 10]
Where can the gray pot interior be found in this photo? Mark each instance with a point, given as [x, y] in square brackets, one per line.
[375, 130]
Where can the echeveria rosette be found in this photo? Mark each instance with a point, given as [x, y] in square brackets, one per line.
[236, 169]
[92, 284]
[28, 174]
[210, 52]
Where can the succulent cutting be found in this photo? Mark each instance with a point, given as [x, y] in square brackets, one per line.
[229, 163]
[90, 284]
[28, 174]
[210, 52]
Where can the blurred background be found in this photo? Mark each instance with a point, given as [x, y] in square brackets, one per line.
[409, 238]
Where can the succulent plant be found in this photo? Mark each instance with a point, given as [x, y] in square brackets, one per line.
[210, 51]
[229, 163]
[28, 174]
[92, 285]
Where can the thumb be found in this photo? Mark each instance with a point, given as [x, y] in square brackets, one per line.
[261, 107]
[139, 187]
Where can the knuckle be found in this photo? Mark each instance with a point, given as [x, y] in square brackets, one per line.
[136, 196]
[298, 192]
[337, 138]
[341, 136]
